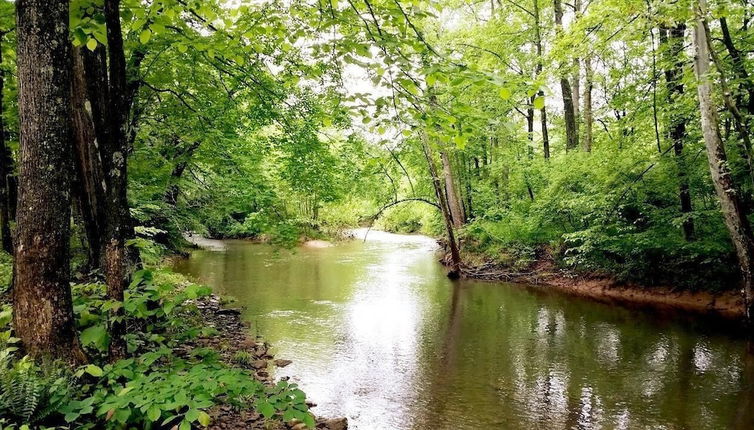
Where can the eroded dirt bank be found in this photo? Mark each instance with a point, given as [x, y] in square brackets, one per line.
[545, 273]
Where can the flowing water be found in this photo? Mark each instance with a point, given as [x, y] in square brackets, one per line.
[379, 335]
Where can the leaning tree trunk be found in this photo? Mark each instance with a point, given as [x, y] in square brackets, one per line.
[672, 40]
[6, 168]
[569, 112]
[455, 254]
[42, 307]
[727, 191]
[739, 66]
[451, 192]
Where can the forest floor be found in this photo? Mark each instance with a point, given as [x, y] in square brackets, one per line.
[545, 272]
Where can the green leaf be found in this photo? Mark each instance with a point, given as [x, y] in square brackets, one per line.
[145, 36]
[505, 93]
[539, 103]
[153, 413]
[91, 44]
[93, 370]
[95, 335]
[204, 418]
[192, 415]
[265, 409]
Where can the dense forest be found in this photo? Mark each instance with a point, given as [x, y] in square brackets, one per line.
[601, 138]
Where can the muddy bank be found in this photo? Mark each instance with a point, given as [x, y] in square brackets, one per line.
[545, 273]
[238, 349]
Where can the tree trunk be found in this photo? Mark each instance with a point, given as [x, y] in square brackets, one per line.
[577, 77]
[455, 254]
[6, 170]
[739, 121]
[454, 202]
[740, 68]
[116, 174]
[672, 41]
[588, 119]
[727, 192]
[171, 194]
[42, 306]
[88, 190]
[569, 112]
[541, 93]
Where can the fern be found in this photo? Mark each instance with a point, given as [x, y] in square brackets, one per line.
[29, 393]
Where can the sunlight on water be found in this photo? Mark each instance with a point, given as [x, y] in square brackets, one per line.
[378, 334]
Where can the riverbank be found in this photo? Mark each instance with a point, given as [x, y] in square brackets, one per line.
[544, 272]
[238, 349]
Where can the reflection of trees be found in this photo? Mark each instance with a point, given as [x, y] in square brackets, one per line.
[552, 362]
[497, 356]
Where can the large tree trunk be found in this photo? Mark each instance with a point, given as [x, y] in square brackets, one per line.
[672, 42]
[569, 112]
[727, 191]
[455, 254]
[541, 93]
[454, 201]
[42, 308]
[6, 170]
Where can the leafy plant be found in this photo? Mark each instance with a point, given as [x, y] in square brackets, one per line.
[30, 394]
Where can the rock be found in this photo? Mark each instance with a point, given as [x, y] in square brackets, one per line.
[282, 363]
[228, 311]
[259, 364]
[333, 424]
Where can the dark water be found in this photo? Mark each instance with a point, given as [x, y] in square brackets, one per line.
[378, 334]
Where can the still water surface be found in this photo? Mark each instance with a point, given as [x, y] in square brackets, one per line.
[378, 334]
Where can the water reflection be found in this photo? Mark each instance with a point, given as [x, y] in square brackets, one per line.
[378, 334]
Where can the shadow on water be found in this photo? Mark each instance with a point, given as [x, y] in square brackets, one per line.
[378, 334]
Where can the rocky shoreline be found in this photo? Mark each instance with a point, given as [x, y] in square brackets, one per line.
[237, 348]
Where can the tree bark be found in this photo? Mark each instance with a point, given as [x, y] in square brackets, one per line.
[577, 77]
[6, 170]
[740, 123]
[672, 41]
[114, 159]
[569, 112]
[88, 183]
[453, 199]
[541, 93]
[588, 119]
[740, 68]
[727, 191]
[171, 194]
[42, 305]
[455, 254]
